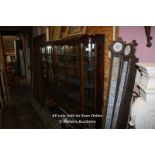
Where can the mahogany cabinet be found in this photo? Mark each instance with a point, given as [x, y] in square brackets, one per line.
[73, 74]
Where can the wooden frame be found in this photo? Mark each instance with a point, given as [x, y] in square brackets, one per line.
[3, 87]
[63, 31]
[57, 32]
[3, 82]
[1, 51]
[74, 30]
[54, 33]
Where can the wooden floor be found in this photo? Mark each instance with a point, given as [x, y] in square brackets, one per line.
[21, 116]
[19, 113]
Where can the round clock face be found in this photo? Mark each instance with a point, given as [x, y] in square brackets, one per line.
[117, 47]
[127, 50]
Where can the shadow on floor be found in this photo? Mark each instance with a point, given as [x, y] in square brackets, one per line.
[19, 113]
[21, 116]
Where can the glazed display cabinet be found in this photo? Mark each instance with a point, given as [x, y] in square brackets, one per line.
[73, 74]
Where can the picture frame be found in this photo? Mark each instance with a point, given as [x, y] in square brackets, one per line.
[54, 33]
[74, 30]
[63, 31]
